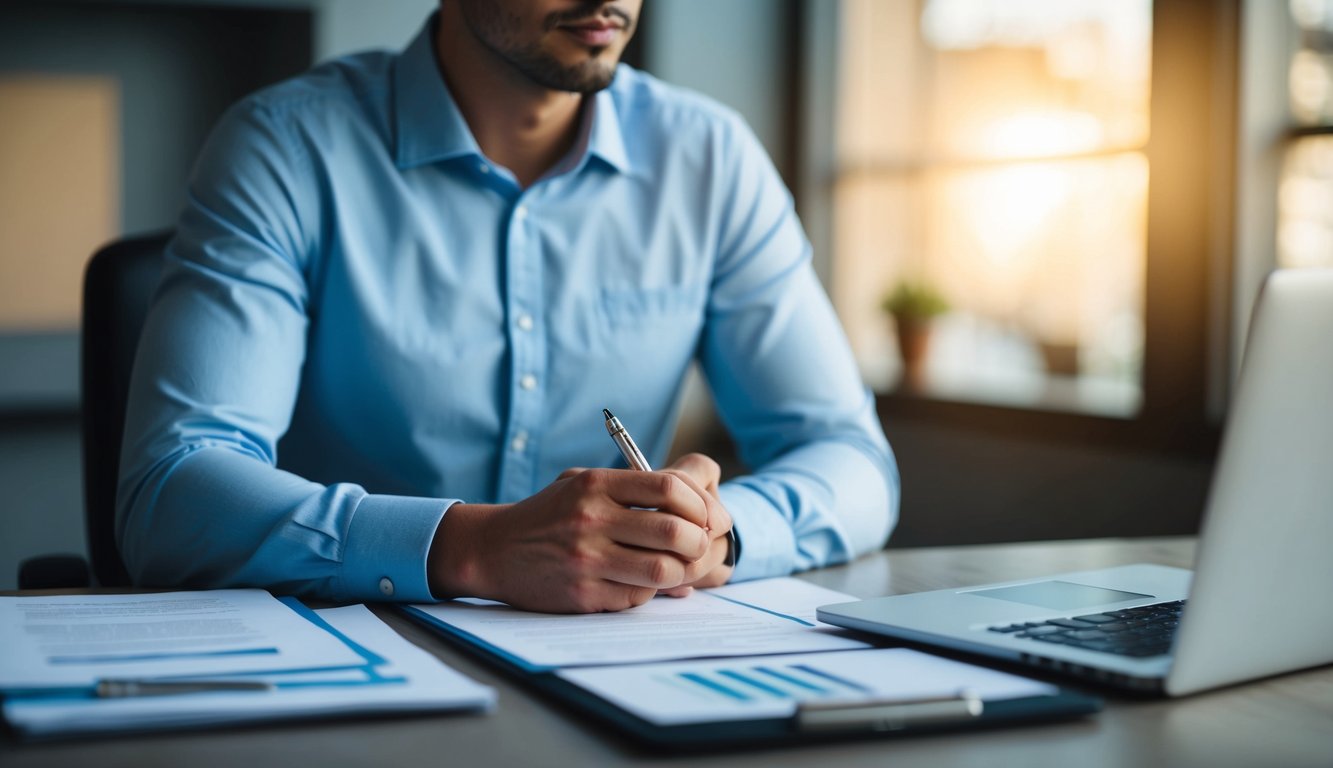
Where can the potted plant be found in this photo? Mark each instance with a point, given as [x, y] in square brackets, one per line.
[913, 305]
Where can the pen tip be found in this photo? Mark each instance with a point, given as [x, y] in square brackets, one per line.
[607, 414]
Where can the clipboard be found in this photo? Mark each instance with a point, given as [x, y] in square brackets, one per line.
[812, 722]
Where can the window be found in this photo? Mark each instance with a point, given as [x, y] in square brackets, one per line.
[1150, 365]
[991, 159]
[1305, 191]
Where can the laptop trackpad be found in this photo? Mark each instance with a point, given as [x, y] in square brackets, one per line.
[1058, 595]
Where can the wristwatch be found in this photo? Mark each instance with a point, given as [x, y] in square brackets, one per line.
[733, 549]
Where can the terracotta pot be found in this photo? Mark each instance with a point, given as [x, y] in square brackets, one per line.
[1060, 359]
[913, 345]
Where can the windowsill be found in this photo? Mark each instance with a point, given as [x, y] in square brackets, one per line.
[1088, 395]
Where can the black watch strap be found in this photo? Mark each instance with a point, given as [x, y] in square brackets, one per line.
[733, 549]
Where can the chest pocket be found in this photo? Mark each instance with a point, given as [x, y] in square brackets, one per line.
[655, 327]
[624, 310]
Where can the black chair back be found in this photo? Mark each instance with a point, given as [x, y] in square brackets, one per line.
[118, 286]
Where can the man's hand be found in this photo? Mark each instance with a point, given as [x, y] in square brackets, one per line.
[578, 546]
[703, 475]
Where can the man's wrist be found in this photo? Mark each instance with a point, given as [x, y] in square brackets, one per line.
[454, 566]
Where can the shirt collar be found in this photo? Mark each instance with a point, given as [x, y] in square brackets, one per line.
[428, 126]
[606, 140]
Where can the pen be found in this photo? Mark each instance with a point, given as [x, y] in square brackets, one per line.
[636, 460]
[888, 714]
[633, 456]
[125, 689]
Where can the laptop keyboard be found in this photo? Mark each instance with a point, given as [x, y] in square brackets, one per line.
[1141, 632]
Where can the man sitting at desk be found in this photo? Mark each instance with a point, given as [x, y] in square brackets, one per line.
[428, 273]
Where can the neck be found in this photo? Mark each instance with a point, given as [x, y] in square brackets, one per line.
[517, 123]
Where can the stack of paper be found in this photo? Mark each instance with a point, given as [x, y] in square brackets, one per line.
[61, 651]
[757, 617]
[740, 652]
[681, 692]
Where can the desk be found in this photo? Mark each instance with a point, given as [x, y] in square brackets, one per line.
[1286, 721]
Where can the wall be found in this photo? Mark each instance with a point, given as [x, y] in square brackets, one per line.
[970, 486]
[344, 26]
[734, 51]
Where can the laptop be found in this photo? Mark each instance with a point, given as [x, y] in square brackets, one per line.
[1258, 602]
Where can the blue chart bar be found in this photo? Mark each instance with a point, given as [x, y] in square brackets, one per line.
[714, 686]
[786, 682]
[855, 686]
[753, 683]
[791, 679]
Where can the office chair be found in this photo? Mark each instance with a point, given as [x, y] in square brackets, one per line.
[118, 285]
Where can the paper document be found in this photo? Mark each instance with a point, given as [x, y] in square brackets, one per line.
[411, 680]
[744, 620]
[678, 693]
[791, 597]
[76, 640]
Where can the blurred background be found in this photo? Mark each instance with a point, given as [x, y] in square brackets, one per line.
[1042, 222]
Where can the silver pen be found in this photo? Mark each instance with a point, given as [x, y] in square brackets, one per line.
[888, 714]
[636, 460]
[633, 456]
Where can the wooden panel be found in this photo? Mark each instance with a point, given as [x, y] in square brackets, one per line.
[59, 193]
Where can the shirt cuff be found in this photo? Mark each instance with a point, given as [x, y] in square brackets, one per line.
[768, 546]
[384, 554]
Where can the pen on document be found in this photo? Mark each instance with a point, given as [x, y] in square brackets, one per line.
[633, 456]
[125, 689]
[888, 714]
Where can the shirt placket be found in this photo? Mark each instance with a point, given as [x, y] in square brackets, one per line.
[527, 359]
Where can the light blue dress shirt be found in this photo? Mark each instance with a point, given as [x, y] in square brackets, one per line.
[364, 320]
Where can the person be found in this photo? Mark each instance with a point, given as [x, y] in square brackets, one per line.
[402, 290]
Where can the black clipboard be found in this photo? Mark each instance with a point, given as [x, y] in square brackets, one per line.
[810, 725]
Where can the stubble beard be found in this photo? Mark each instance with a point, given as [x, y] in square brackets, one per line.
[543, 69]
[490, 25]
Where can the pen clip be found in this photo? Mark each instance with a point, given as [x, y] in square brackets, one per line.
[887, 714]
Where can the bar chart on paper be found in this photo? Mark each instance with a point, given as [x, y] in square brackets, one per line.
[677, 693]
[782, 682]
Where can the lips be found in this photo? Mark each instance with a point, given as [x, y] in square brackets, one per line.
[594, 33]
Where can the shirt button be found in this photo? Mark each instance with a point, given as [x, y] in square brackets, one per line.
[484, 168]
[520, 442]
[528, 382]
[386, 587]
[521, 212]
[525, 322]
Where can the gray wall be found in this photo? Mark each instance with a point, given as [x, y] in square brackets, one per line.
[969, 486]
[734, 51]
[344, 26]
[40, 475]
